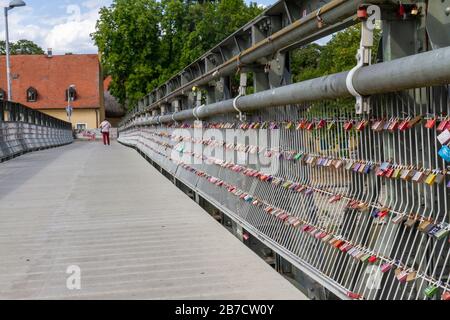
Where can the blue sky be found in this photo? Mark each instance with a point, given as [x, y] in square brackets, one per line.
[63, 25]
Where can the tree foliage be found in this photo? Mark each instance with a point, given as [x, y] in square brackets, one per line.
[337, 55]
[144, 42]
[21, 47]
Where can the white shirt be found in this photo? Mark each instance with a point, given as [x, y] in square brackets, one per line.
[105, 126]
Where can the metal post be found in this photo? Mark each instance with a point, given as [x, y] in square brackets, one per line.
[8, 66]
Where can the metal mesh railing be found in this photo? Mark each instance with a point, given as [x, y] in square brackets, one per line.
[360, 203]
[23, 129]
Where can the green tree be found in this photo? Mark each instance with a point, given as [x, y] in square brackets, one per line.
[338, 55]
[128, 37]
[21, 47]
[143, 43]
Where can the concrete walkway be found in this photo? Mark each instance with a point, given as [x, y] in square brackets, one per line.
[132, 233]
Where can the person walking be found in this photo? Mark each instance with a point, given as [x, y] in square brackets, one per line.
[105, 126]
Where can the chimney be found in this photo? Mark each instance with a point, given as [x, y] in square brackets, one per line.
[49, 53]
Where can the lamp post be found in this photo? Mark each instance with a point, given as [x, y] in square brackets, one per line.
[69, 108]
[13, 4]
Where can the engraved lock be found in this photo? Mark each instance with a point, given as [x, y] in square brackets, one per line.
[439, 178]
[335, 198]
[407, 174]
[383, 212]
[360, 255]
[430, 291]
[375, 213]
[386, 267]
[378, 125]
[339, 164]
[322, 123]
[353, 295]
[442, 233]
[443, 125]
[397, 173]
[296, 224]
[365, 257]
[289, 125]
[348, 125]
[339, 244]
[418, 177]
[423, 225]
[401, 275]
[331, 125]
[431, 178]
[446, 296]
[361, 125]
[444, 137]
[427, 229]
[434, 230]
[394, 125]
[310, 126]
[399, 218]
[444, 153]
[411, 221]
[431, 123]
[414, 121]
[404, 124]
[362, 168]
[389, 172]
[387, 124]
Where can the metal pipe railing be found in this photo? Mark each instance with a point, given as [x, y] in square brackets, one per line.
[331, 13]
[425, 69]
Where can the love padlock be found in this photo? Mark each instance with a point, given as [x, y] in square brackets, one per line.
[444, 153]
[430, 123]
[348, 125]
[386, 267]
[443, 125]
[321, 124]
[404, 124]
[414, 121]
[444, 137]
[446, 296]
[431, 291]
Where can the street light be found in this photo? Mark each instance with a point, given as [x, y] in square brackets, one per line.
[13, 4]
[69, 108]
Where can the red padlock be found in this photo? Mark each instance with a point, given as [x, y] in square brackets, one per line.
[353, 295]
[321, 124]
[446, 296]
[348, 125]
[430, 123]
[443, 125]
[362, 13]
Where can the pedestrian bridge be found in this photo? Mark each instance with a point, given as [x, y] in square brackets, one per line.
[131, 232]
[340, 181]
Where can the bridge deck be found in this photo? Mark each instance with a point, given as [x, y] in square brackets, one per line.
[132, 233]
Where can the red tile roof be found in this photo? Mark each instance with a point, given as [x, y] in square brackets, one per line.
[106, 83]
[51, 77]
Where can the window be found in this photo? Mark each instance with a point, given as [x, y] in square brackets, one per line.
[31, 94]
[71, 94]
[81, 126]
[2, 94]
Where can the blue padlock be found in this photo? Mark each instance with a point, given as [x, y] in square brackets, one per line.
[444, 153]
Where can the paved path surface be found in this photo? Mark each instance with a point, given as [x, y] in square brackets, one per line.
[133, 233]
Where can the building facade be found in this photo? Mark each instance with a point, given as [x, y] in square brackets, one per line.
[49, 83]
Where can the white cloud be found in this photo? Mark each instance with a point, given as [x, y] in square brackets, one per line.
[69, 32]
[73, 35]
